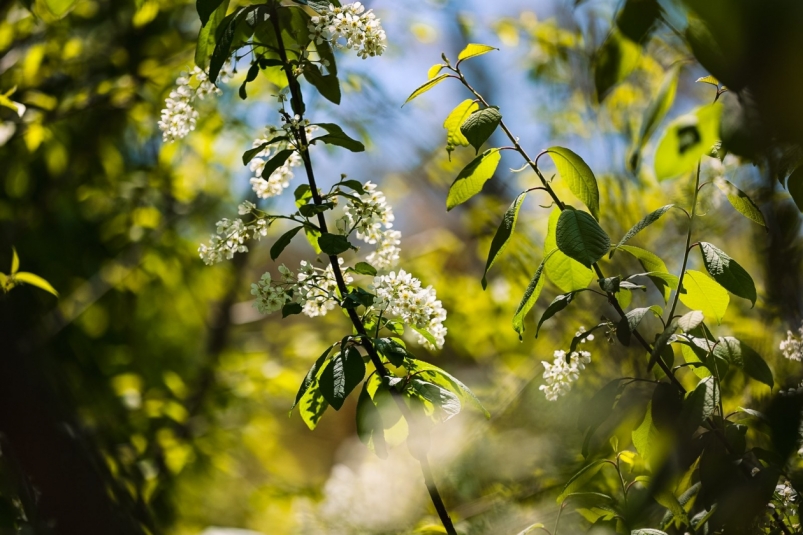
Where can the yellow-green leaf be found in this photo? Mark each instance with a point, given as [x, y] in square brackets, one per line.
[434, 70]
[452, 124]
[615, 60]
[578, 177]
[708, 80]
[566, 273]
[59, 7]
[471, 179]
[473, 50]
[35, 280]
[704, 294]
[426, 87]
[656, 112]
[15, 261]
[739, 200]
[651, 263]
[687, 139]
[530, 296]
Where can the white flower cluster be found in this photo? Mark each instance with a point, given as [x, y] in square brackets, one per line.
[372, 218]
[792, 347]
[401, 296]
[231, 237]
[360, 29]
[786, 497]
[315, 289]
[279, 179]
[179, 116]
[587, 338]
[561, 373]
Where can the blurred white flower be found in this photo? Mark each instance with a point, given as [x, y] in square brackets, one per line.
[792, 347]
[561, 373]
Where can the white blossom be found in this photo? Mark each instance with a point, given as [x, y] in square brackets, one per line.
[587, 338]
[279, 179]
[179, 117]
[786, 496]
[792, 347]
[386, 256]
[349, 26]
[315, 289]
[372, 219]
[230, 238]
[561, 373]
[401, 296]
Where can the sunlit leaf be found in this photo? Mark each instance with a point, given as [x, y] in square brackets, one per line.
[655, 113]
[727, 272]
[578, 177]
[687, 139]
[470, 180]
[645, 222]
[426, 87]
[614, 61]
[15, 261]
[434, 70]
[740, 201]
[503, 234]
[35, 280]
[691, 320]
[705, 295]
[439, 397]
[566, 273]
[341, 376]
[651, 263]
[452, 124]
[206, 8]
[473, 50]
[370, 428]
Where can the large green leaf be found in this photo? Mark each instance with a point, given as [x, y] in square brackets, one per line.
[503, 234]
[687, 139]
[276, 162]
[327, 85]
[333, 244]
[426, 87]
[637, 18]
[727, 272]
[645, 222]
[470, 180]
[745, 357]
[59, 7]
[705, 295]
[206, 8]
[739, 200]
[283, 241]
[530, 296]
[336, 136]
[207, 36]
[566, 273]
[614, 61]
[580, 237]
[441, 398]
[651, 263]
[370, 428]
[435, 375]
[473, 50]
[225, 40]
[341, 376]
[578, 177]
[559, 303]
[646, 438]
[581, 478]
[452, 124]
[699, 405]
[479, 126]
[655, 113]
[795, 186]
[312, 375]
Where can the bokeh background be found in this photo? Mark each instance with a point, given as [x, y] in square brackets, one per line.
[152, 393]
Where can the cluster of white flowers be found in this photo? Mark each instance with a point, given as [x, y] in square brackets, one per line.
[372, 219]
[359, 29]
[179, 116]
[231, 237]
[792, 347]
[401, 296]
[581, 331]
[561, 373]
[279, 179]
[786, 497]
[315, 289]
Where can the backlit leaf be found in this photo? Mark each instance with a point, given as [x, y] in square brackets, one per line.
[341, 376]
[207, 36]
[530, 296]
[369, 424]
[614, 61]
[740, 201]
[578, 177]
[687, 139]
[655, 113]
[566, 273]
[470, 180]
[645, 222]
[426, 87]
[651, 263]
[35, 280]
[727, 272]
[503, 234]
[479, 126]
[473, 50]
[705, 295]
[312, 375]
[452, 124]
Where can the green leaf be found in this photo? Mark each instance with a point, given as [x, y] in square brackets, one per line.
[710, 80]
[290, 309]
[579, 479]
[614, 61]
[566, 273]
[440, 377]
[557, 304]
[645, 437]
[276, 162]
[503, 234]
[471, 179]
[15, 261]
[370, 428]
[647, 531]
[439, 397]
[312, 236]
[434, 70]
[637, 18]
[344, 373]
[661, 344]
[392, 350]
[631, 320]
[311, 210]
[580, 237]
[795, 187]
[312, 404]
[283, 242]
[655, 113]
[356, 185]
[327, 84]
[705, 295]
[740, 201]
[691, 320]
[578, 177]
[742, 355]
[364, 268]
[530, 297]
[312, 375]
[224, 42]
[699, 405]
[340, 139]
[426, 87]
[206, 8]
[35, 280]
[59, 8]
[473, 50]
[452, 124]
[666, 279]
[333, 244]
[651, 263]
[645, 222]
[686, 140]
[207, 36]
[479, 126]
[727, 272]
